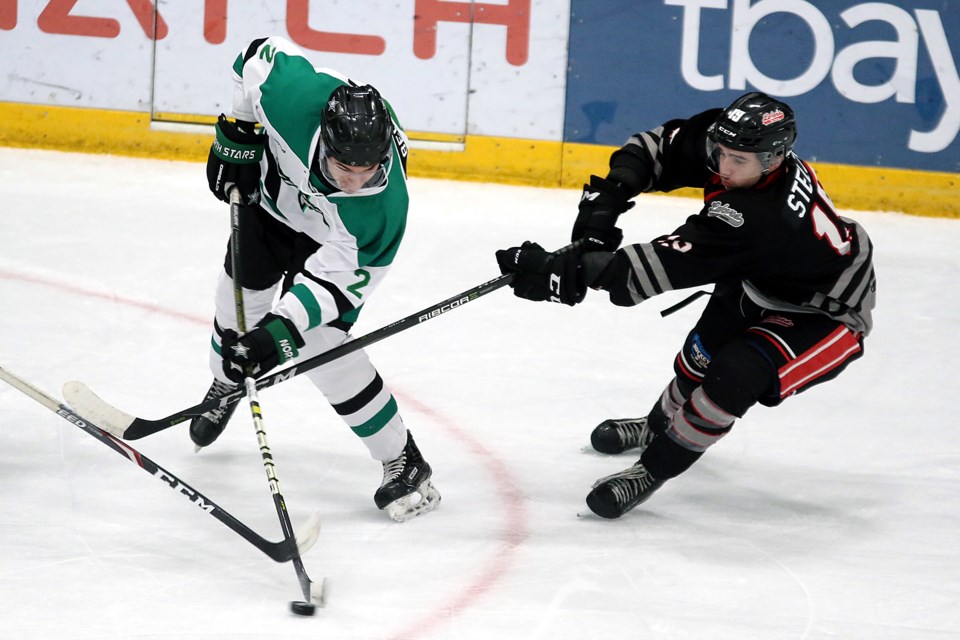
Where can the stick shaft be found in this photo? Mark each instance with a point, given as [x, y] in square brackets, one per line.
[142, 427]
[251, 386]
[280, 551]
[134, 428]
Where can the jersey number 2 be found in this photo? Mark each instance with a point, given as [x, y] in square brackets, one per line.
[364, 281]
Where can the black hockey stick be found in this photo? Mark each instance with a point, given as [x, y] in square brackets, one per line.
[128, 427]
[123, 425]
[282, 551]
[308, 605]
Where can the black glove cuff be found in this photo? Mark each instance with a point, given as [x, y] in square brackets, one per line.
[594, 266]
[604, 195]
[626, 168]
[289, 328]
[240, 131]
[247, 127]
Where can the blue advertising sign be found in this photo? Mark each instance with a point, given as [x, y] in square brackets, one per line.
[872, 83]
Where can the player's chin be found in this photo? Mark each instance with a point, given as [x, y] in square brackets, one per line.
[738, 184]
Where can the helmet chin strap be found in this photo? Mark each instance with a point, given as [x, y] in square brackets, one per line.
[775, 163]
[773, 167]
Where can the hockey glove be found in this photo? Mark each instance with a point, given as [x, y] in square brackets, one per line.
[539, 275]
[272, 342]
[600, 204]
[234, 160]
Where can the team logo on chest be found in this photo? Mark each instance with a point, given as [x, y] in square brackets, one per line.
[726, 213]
[778, 320]
[306, 204]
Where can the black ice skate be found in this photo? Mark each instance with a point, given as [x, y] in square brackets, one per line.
[617, 436]
[404, 479]
[614, 495]
[208, 427]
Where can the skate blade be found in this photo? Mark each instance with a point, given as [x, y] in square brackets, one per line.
[427, 498]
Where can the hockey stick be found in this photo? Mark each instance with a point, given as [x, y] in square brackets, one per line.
[123, 425]
[308, 605]
[282, 551]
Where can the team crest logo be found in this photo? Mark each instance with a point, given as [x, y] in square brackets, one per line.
[772, 116]
[726, 213]
[779, 320]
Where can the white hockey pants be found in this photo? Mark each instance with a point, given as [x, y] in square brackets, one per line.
[350, 384]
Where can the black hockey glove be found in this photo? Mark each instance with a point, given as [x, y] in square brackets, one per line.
[539, 275]
[234, 160]
[272, 342]
[600, 204]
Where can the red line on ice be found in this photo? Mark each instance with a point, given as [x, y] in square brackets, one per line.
[514, 531]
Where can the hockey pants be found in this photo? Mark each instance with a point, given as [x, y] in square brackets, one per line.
[269, 252]
[737, 355]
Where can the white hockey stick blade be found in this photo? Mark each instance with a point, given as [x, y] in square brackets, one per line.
[92, 407]
[319, 595]
[308, 533]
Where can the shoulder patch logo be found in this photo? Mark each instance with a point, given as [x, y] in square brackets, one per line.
[778, 320]
[726, 213]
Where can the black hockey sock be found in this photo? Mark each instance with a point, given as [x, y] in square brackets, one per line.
[666, 459]
[657, 420]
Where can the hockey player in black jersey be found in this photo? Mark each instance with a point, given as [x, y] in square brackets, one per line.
[793, 282]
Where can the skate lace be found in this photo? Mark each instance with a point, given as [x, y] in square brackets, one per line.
[217, 389]
[628, 484]
[393, 469]
[634, 433]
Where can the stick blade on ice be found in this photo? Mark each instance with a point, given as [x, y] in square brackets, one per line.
[306, 535]
[92, 407]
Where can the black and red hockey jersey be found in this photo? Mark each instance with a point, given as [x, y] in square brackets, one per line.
[782, 238]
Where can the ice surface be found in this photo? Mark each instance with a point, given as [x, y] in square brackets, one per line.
[833, 516]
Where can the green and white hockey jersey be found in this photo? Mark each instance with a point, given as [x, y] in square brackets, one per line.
[359, 233]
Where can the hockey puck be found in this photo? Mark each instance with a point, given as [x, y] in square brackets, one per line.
[302, 608]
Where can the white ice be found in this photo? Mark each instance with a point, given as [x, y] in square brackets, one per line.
[833, 516]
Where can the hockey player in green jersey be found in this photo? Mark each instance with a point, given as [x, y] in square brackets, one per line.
[322, 182]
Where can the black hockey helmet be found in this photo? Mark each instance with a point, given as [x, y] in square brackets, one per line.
[755, 123]
[356, 126]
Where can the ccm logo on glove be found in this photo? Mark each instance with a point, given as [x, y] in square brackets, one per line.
[539, 275]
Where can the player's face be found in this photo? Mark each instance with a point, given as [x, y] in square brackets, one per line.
[737, 169]
[350, 179]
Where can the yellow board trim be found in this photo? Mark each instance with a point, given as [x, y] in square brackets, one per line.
[188, 118]
[95, 131]
[504, 160]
